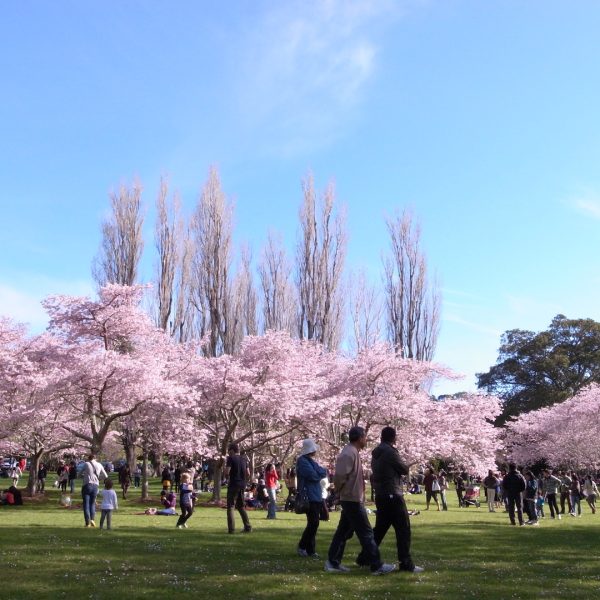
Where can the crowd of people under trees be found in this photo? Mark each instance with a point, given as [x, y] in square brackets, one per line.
[315, 490]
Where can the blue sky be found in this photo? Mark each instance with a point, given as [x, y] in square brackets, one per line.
[481, 116]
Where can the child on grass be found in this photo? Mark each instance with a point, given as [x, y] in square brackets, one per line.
[109, 503]
[186, 500]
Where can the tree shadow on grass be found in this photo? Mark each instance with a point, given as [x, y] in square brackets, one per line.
[152, 558]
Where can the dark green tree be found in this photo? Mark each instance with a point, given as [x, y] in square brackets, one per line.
[540, 369]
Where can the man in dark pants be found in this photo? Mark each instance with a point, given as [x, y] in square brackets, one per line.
[349, 483]
[513, 486]
[565, 492]
[388, 469]
[237, 474]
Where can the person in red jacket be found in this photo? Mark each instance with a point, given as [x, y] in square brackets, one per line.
[271, 483]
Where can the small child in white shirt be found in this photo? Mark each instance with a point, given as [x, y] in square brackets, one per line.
[109, 503]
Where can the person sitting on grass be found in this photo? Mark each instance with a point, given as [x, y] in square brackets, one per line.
[12, 497]
[168, 500]
[250, 496]
[262, 496]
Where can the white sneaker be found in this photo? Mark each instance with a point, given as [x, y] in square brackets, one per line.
[559, 517]
[384, 569]
[302, 552]
[330, 568]
[535, 523]
[418, 569]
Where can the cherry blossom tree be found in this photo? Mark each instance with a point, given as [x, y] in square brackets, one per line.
[259, 395]
[565, 434]
[114, 360]
[377, 388]
[30, 425]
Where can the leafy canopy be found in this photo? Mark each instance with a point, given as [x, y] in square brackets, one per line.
[534, 370]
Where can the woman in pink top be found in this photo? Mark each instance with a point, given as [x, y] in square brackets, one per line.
[271, 483]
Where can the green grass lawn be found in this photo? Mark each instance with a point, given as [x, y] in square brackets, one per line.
[468, 553]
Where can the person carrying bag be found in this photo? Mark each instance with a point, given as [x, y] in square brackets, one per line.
[309, 498]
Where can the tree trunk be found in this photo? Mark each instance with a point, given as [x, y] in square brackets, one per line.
[33, 473]
[129, 447]
[217, 481]
[156, 463]
[145, 475]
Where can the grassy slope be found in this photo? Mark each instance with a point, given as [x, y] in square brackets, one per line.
[46, 552]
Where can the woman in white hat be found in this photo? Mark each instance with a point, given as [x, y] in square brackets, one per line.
[309, 475]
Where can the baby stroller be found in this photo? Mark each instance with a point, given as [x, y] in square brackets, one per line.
[471, 497]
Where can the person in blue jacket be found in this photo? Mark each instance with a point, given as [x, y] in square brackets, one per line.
[309, 474]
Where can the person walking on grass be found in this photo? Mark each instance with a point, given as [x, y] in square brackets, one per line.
[491, 483]
[72, 476]
[459, 482]
[443, 482]
[271, 481]
[565, 494]
[590, 491]
[575, 495]
[530, 498]
[551, 487]
[349, 482]
[109, 503]
[125, 479]
[42, 474]
[432, 488]
[92, 472]
[388, 470]
[137, 476]
[513, 486]
[186, 500]
[237, 474]
[309, 474]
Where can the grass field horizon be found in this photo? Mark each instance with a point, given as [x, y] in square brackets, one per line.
[467, 553]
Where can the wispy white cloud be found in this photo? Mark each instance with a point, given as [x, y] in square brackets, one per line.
[477, 327]
[587, 203]
[307, 67]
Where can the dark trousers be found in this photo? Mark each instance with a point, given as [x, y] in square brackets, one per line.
[308, 539]
[515, 502]
[551, 500]
[187, 510]
[565, 498]
[530, 509]
[354, 519]
[235, 498]
[460, 495]
[391, 512]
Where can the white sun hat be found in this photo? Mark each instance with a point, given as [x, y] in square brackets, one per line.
[308, 447]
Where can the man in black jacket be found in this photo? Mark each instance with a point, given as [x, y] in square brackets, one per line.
[513, 485]
[388, 469]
